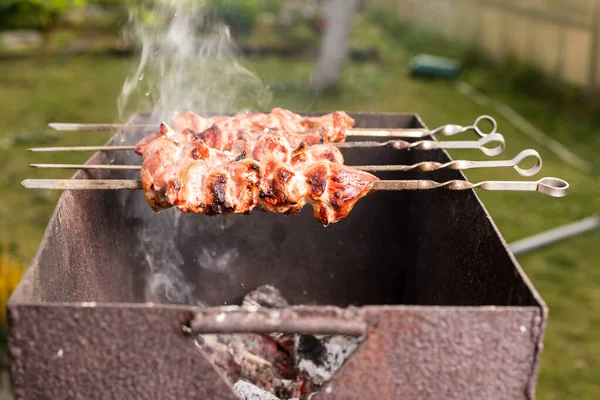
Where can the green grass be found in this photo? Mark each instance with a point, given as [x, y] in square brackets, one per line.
[84, 89]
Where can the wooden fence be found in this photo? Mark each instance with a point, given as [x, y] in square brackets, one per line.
[561, 37]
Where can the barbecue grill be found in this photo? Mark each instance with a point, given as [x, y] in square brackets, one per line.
[424, 276]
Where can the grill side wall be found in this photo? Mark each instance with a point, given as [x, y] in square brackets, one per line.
[443, 353]
[107, 352]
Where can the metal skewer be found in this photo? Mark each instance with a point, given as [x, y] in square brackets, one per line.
[554, 187]
[88, 166]
[445, 130]
[422, 166]
[81, 148]
[465, 164]
[481, 145]
[82, 184]
[70, 127]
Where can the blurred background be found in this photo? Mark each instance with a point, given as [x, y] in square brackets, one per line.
[531, 64]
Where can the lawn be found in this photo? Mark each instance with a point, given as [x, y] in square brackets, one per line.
[84, 89]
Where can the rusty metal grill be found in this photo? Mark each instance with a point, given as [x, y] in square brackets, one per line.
[446, 310]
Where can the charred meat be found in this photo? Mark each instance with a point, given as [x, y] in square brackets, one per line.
[262, 171]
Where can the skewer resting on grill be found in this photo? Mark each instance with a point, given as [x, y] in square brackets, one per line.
[481, 144]
[279, 162]
[484, 145]
[553, 187]
[421, 166]
[444, 130]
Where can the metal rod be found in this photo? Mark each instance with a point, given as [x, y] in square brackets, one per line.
[82, 184]
[422, 166]
[494, 139]
[81, 148]
[554, 235]
[445, 130]
[464, 165]
[481, 144]
[68, 127]
[88, 166]
[270, 321]
[554, 187]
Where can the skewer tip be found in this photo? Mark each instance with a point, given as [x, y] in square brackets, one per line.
[61, 126]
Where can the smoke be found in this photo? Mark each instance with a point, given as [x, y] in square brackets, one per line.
[187, 62]
[159, 249]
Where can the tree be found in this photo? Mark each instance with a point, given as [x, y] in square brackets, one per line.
[336, 40]
[33, 14]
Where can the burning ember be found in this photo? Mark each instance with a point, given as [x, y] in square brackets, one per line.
[276, 366]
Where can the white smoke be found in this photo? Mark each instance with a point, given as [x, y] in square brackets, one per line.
[187, 62]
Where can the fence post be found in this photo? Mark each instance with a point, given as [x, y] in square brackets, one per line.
[595, 42]
[560, 53]
[477, 38]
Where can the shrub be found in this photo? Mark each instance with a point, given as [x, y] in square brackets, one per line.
[241, 16]
[33, 14]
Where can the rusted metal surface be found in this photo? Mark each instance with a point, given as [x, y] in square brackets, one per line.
[442, 353]
[325, 321]
[107, 352]
[411, 251]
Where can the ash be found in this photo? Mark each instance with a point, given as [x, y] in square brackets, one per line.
[276, 366]
[249, 391]
[321, 356]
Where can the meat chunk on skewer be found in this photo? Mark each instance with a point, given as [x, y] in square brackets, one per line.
[331, 127]
[226, 139]
[242, 186]
[334, 189]
[181, 170]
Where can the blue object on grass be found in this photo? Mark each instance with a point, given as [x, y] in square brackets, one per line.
[428, 66]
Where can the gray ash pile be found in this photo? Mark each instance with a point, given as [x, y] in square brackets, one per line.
[276, 366]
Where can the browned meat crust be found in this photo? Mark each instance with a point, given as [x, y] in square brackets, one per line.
[265, 172]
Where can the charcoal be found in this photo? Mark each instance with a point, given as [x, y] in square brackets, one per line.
[267, 296]
[276, 366]
[249, 391]
[319, 357]
[310, 348]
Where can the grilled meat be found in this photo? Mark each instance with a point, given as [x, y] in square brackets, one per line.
[181, 170]
[327, 128]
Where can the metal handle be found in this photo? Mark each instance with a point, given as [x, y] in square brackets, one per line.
[484, 144]
[554, 187]
[481, 144]
[514, 163]
[451, 130]
[427, 166]
[329, 321]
